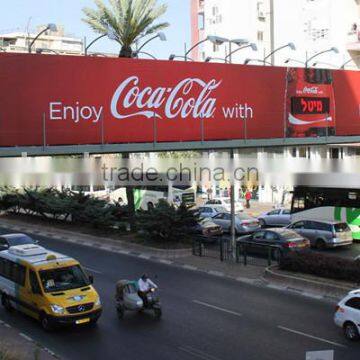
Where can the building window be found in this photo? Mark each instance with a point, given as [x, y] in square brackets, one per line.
[260, 36]
[215, 10]
[201, 21]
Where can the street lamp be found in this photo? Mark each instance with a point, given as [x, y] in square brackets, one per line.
[159, 35]
[333, 49]
[42, 50]
[136, 54]
[349, 61]
[324, 63]
[294, 60]
[110, 34]
[217, 40]
[173, 57]
[289, 45]
[247, 61]
[209, 58]
[51, 27]
[253, 46]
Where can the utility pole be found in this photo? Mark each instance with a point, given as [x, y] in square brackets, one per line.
[232, 202]
[272, 31]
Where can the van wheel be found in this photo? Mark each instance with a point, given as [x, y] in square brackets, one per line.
[351, 332]
[45, 322]
[5, 302]
[320, 244]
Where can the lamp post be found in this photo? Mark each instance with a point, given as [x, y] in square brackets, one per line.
[253, 46]
[217, 40]
[51, 27]
[247, 61]
[209, 58]
[333, 49]
[324, 63]
[159, 35]
[289, 45]
[136, 54]
[294, 60]
[348, 62]
[173, 57]
[42, 50]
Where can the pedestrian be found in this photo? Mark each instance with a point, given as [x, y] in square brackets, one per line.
[248, 197]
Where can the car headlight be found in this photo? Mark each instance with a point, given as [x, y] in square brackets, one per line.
[98, 301]
[57, 309]
[139, 303]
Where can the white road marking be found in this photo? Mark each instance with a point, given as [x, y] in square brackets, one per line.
[28, 338]
[216, 308]
[311, 336]
[197, 353]
[92, 270]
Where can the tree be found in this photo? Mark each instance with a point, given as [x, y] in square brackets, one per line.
[127, 21]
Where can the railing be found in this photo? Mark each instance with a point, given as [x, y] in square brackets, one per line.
[248, 252]
[214, 247]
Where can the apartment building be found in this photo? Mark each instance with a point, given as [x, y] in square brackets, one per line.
[312, 25]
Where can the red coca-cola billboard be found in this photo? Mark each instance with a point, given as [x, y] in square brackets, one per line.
[65, 100]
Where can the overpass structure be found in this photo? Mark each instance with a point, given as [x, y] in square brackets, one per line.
[58, 105]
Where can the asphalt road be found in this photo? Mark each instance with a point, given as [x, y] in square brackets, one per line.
[204, 317]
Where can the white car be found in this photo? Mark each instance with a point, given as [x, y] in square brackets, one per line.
[211, 210]
[226, 203]
[347, 315]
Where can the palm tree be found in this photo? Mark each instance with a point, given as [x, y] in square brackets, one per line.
[127, 21]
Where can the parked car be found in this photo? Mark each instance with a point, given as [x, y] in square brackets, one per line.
[347, 315]
[9, 240]
[284, 239]
[324, 234]
[210, 210]
[277, 217]
[206, 227]
[226, 203]
[244, 224]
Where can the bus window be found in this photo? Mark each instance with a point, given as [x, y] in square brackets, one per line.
[298, 204]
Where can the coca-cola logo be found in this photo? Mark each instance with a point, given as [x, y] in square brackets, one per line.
[191, 97]
[311, 90]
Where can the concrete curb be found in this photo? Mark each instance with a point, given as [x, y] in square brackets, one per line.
[314, 288]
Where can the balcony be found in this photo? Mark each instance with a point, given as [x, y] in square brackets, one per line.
[353, 41]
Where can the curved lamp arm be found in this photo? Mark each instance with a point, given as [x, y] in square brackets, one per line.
[36, 37]
[290, 45]
[320, 53]
[94, 41]
[252, 45]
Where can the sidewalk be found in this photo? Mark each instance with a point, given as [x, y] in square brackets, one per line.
[15, 345]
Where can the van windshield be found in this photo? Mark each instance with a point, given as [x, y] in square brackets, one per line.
[71, 277]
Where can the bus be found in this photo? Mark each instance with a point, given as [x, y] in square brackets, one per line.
[327, 203]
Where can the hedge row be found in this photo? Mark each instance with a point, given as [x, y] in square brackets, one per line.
[64, 205]
[331, 267]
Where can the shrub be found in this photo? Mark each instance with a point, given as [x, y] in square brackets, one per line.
[322, 265]
[166, 223]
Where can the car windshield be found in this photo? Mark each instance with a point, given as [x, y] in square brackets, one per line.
[20, 240]
[71, 277]
[205, 221]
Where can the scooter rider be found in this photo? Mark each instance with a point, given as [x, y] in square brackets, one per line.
[145, 285]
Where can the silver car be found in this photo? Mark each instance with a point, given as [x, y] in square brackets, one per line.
[277, 217]
[324, 234]
[244, 224]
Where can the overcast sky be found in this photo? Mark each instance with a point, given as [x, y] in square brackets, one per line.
[17, 14]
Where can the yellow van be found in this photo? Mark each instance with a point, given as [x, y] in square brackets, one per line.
[48, 286]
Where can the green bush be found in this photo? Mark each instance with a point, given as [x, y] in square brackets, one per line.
[322, 265]
[51, 203]
[166, 223]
